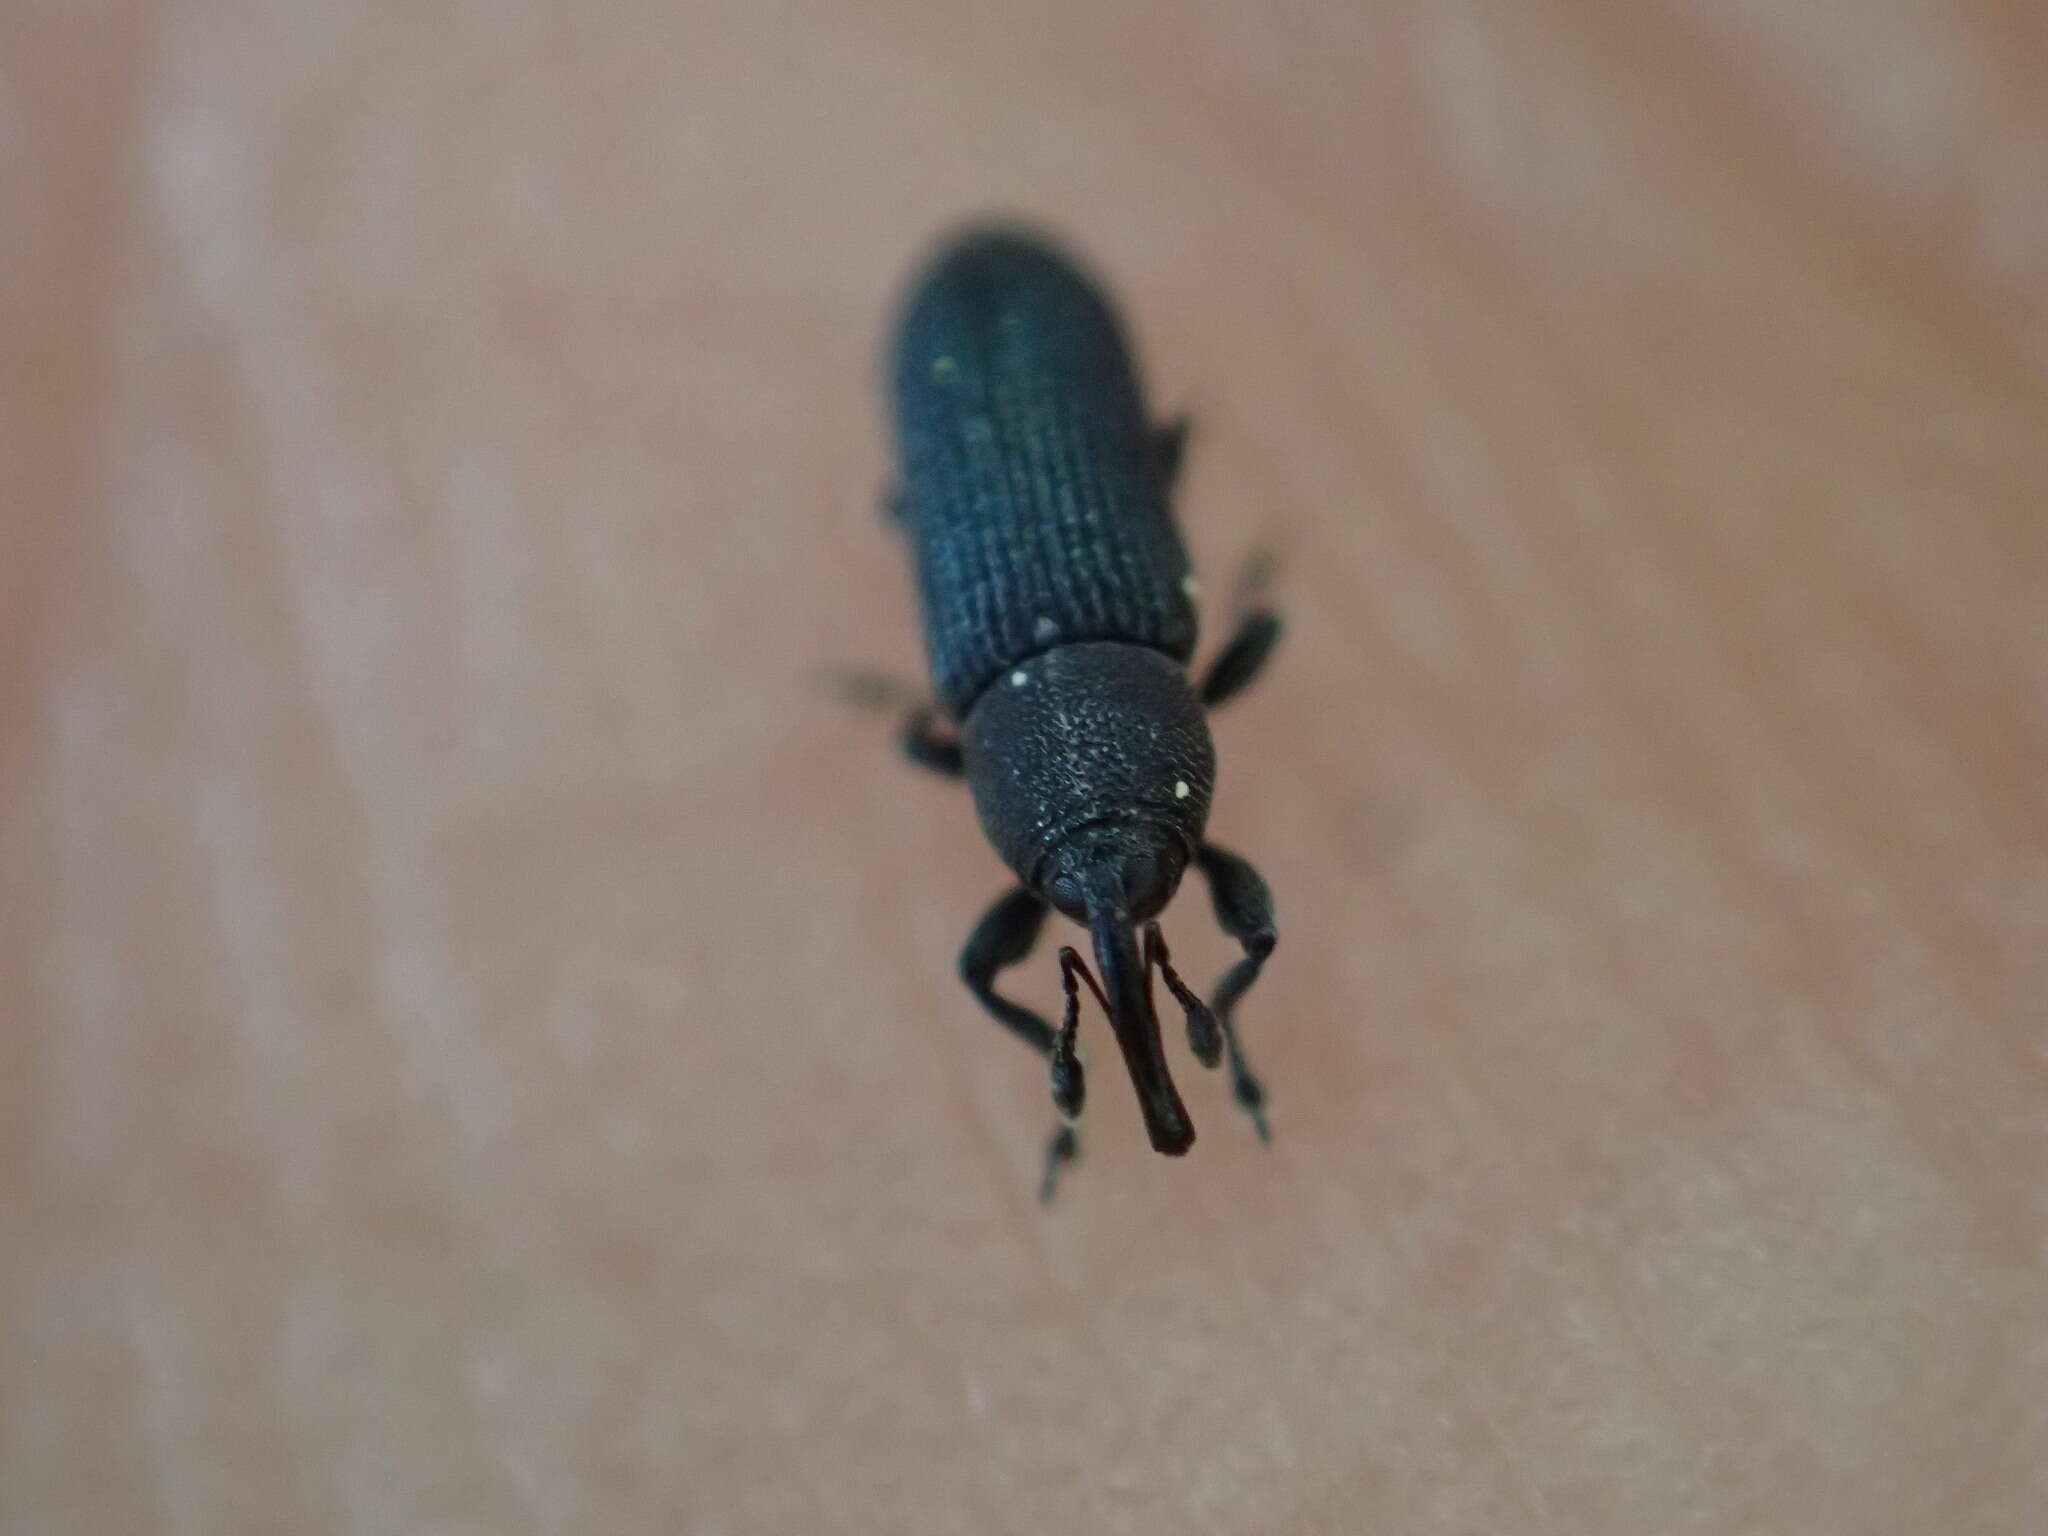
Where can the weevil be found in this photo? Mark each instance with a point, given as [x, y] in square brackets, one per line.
[1059, 615]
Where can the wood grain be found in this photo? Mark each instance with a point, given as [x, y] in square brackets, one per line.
[480, 1048]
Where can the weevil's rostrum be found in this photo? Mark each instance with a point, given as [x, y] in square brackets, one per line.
[1059, 618]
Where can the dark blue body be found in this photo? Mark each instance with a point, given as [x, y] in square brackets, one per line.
[1034, 494]
[1059, 617]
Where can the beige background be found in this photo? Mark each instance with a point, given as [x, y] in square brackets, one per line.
[480, 1046]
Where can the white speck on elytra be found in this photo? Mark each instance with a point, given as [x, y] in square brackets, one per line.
[1045, 629]
[1019, 679]
[1180, 789]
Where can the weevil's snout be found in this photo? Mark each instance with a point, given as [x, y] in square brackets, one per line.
[1126, 979]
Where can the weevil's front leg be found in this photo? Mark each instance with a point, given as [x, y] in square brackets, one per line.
[1002, 938]
[924, 744]
[1244, 910]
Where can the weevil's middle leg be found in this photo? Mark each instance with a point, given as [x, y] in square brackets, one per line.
[1241, 660]
[1244, 910]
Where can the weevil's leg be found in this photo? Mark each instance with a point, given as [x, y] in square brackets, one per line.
[1169, 448]
[1003, 937]
[1244, 910]
[1241, 661]
[924, 745]
[1205, 1039]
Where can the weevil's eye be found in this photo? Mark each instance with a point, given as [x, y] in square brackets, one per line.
[1064, 891]
[1148, 884]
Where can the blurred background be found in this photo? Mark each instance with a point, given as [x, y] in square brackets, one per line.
[479, 1047]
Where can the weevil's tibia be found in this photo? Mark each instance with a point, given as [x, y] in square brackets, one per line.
[1244, 910]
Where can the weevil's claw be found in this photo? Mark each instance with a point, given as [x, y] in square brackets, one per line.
[1065, 1147]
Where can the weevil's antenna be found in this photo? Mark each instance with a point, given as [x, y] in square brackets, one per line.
[1126, 979]
[1205, 1036]
[1069, 1083]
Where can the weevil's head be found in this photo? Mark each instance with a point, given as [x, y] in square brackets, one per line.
[1092, 770]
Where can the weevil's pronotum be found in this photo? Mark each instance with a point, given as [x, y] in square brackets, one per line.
[1059, 617]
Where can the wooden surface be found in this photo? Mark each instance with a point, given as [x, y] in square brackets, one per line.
[480, 1047]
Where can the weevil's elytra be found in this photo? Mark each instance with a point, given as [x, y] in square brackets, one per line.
[1059, 618]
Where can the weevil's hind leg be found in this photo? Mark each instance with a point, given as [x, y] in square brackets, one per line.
[1240, 662]
[1244, 910]
[925, 745]
[1170, 448]
[1002, 938]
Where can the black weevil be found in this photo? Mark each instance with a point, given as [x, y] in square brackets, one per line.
[1059, 616]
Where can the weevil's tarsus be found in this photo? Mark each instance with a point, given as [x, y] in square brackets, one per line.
[1244, 911]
